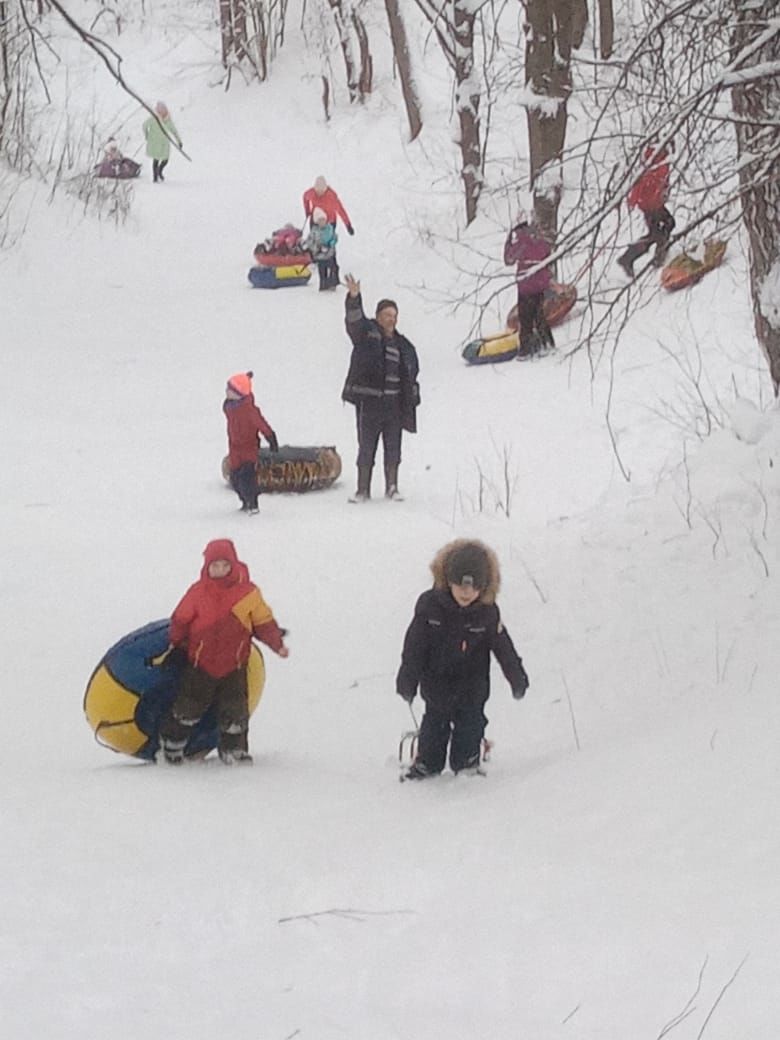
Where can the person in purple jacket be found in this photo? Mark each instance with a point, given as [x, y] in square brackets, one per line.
[526, 248]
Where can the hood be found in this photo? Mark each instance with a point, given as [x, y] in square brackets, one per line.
[223, 549]
[654, 156]
[439, 567]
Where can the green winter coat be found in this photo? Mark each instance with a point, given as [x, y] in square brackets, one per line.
[157, 144]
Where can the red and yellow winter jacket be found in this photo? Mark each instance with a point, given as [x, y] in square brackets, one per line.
[245, 423]
[328, 202]
[651, 191]
[217, 617]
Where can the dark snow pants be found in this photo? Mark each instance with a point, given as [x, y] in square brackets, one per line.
[198, 691]
[243, 480]
[462, 727]
[158, 165]
[660, 225]
[379, 417]
[329, 273]
[534, 331]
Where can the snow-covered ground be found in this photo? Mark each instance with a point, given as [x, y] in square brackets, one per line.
[617, 869]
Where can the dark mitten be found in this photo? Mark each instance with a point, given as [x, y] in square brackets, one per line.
[521, 688]
[407, 693]
[273, 443]
[350, 229]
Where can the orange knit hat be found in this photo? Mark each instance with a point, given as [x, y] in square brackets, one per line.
[241, 383]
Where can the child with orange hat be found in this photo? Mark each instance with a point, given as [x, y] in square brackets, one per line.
[245, 424]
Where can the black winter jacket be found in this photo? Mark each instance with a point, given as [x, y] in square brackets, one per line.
[447, 651]
[366, 376]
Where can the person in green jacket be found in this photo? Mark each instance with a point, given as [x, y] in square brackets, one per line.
[158, 145]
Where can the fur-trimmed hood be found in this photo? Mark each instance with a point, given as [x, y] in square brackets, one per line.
[439, 567]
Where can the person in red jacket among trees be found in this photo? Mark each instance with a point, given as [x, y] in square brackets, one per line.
[649, 194]
[214, 624]
[245, 424]
[325, 198]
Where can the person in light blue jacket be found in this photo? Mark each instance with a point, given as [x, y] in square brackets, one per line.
[321, 243]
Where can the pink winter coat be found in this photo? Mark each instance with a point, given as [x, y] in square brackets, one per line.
[526, 248]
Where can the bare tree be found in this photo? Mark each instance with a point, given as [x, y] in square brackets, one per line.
[404, 65]
[454, 25]
[549, 36]
[357, 59]
[756, 95]
[251, 31]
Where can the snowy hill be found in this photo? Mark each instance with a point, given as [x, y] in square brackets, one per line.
[615, 873]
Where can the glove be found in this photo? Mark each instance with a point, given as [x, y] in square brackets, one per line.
[519, 691]
[407, 694]
[273, 443]
[350, 229]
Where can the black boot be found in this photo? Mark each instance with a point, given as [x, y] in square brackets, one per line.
[363, 492]
[155, 171]
[391, 482]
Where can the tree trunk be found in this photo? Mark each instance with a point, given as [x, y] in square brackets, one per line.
[606, 29]
[548, 86]
[467, 101]
[347, 49]
[757, 107]
[403, 62]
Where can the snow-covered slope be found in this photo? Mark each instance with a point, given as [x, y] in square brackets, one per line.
[617, 868]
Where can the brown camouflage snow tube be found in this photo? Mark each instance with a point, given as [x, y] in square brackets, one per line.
[294, 469]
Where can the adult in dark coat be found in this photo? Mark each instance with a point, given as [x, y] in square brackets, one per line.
[382, 385]
[456, 627]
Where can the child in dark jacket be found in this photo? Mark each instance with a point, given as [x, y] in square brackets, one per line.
[245, 424]
[446, 652]
[214, 624]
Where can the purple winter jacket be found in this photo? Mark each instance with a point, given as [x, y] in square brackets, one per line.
[526, 249]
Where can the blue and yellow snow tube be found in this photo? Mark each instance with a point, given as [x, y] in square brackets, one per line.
[263, 277]
[491, 349]
[134, 685]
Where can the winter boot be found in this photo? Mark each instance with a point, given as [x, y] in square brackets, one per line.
[419, 771]
[235, 757]
[391, 482]
[363, 492]
[627, 264]
[173, 751]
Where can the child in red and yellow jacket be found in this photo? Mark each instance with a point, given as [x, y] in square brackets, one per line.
[214, 624]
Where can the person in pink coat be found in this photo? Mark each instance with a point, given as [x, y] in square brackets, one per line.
[320, 196]
[526, 248]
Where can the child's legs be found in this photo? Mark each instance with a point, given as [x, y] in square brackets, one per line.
[162, 164]
[244, 481]
[433, 739]
[233, 711]
[323, 266]
[155, 169]
[193, 699]
[468, 729]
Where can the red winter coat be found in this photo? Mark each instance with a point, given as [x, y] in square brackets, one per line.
[328, 202]
[217, 617]
[651, 191]
[245, 423]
